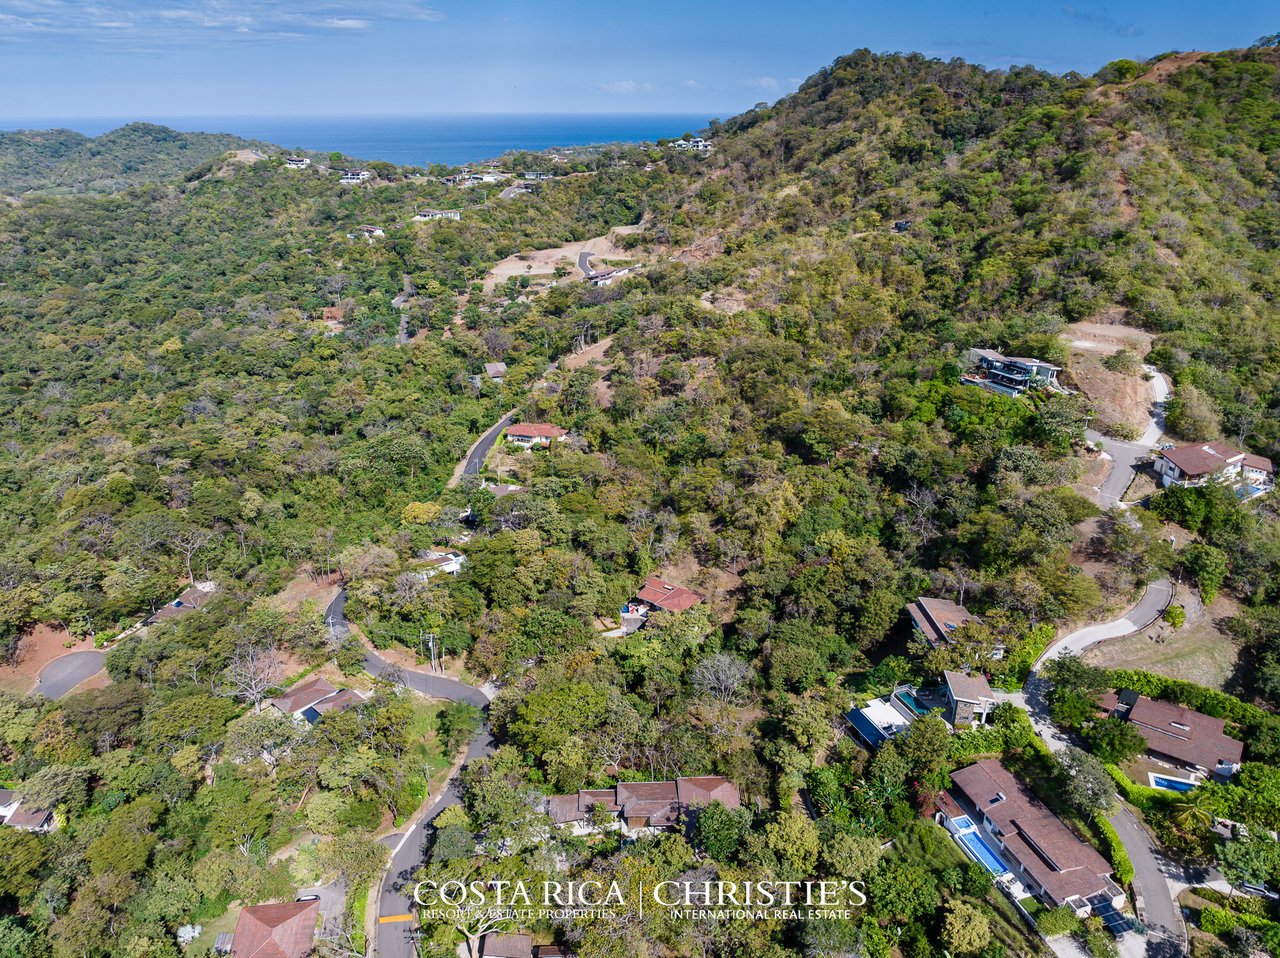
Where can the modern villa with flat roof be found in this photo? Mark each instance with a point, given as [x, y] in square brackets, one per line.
[1010, 375]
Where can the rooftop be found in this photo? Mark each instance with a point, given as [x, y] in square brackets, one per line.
[277, 930]
[968, 688]
[1054, 857]
[1178, 732]
[1203, 459]
[668, 597]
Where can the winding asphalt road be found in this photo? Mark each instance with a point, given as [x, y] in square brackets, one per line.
[66, 672]
[584, 262]
[1150, 871]
[395, 898]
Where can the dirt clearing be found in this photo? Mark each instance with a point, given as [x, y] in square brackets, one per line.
[1121, 398]
[307, 586]
[543, 262]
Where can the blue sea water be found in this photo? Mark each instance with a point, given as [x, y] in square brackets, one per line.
[412, 140]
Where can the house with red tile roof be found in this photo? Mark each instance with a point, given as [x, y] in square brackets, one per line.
[529, 434]
[643, 807]
[285, 929]
[657, 594]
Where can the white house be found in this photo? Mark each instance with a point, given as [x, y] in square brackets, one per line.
[371, 232]
[450, 561]
[1203, 463]
[14, 815]
[426, 215]
[535, 175]
[297, 162]
[355, 176]
[528, 434]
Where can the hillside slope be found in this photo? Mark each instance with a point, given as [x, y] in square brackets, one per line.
[63, 161]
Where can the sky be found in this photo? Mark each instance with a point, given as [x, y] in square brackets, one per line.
[166, 58]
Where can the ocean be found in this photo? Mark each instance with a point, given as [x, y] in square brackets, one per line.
[412, 140]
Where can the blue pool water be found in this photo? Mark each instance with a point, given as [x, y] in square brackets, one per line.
[911, 702]
[1172, 784]
[963, 823]
[982, 852]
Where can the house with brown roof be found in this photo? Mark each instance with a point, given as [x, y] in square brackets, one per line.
[193, 597]
[1199, 463]
[969, 698]
[284, 929]
[660, 595]
[16, 815]
[496, 371]
[1176, 735]
[308, 701]
[935, 620]
[642, 807]
[1006, 826]
[504, 945]
[529, 434]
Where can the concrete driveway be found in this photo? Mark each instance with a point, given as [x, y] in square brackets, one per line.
[63, 674]
[1149, 608]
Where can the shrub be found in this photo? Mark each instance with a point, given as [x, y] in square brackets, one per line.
[1119, 858]
[1060, 921]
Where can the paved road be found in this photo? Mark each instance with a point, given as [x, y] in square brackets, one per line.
[584, 262]
[1163, 918]
[66, 672]
[479, 452]
[1125, 456]
[1149, 608]
[512, 191]
[391, 940]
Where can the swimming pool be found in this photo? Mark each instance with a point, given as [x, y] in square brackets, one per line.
[963, 823]
[1172, 784]
[911, 702]
[982, 852]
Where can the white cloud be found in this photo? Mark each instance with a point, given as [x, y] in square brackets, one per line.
[763, 83]
[691, 84]
[200, 21]
[624, 87]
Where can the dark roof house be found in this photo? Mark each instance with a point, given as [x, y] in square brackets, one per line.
[1177, 733]
[501, 945]
[936, 619]
[1048, 857]
[645, 804]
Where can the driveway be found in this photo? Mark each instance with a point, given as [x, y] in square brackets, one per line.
[584, 262]
[1149, 608]
[1125, 456]
[63, 674]
[1163, 919]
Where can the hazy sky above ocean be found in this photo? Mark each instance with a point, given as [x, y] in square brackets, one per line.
[402, 57]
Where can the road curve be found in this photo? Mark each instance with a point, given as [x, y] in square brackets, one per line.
[1148, 608]
[395, 897]
[66, 672]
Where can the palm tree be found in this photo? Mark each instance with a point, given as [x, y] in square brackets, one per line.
[1191, 814]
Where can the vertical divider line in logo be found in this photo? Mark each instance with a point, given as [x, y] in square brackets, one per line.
[642, 898]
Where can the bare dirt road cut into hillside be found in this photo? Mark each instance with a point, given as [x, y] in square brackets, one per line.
[542, 263]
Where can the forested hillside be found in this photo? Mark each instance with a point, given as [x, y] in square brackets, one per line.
[778, 421]
[63, 161]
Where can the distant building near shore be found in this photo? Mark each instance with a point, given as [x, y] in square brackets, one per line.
[297, 162]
